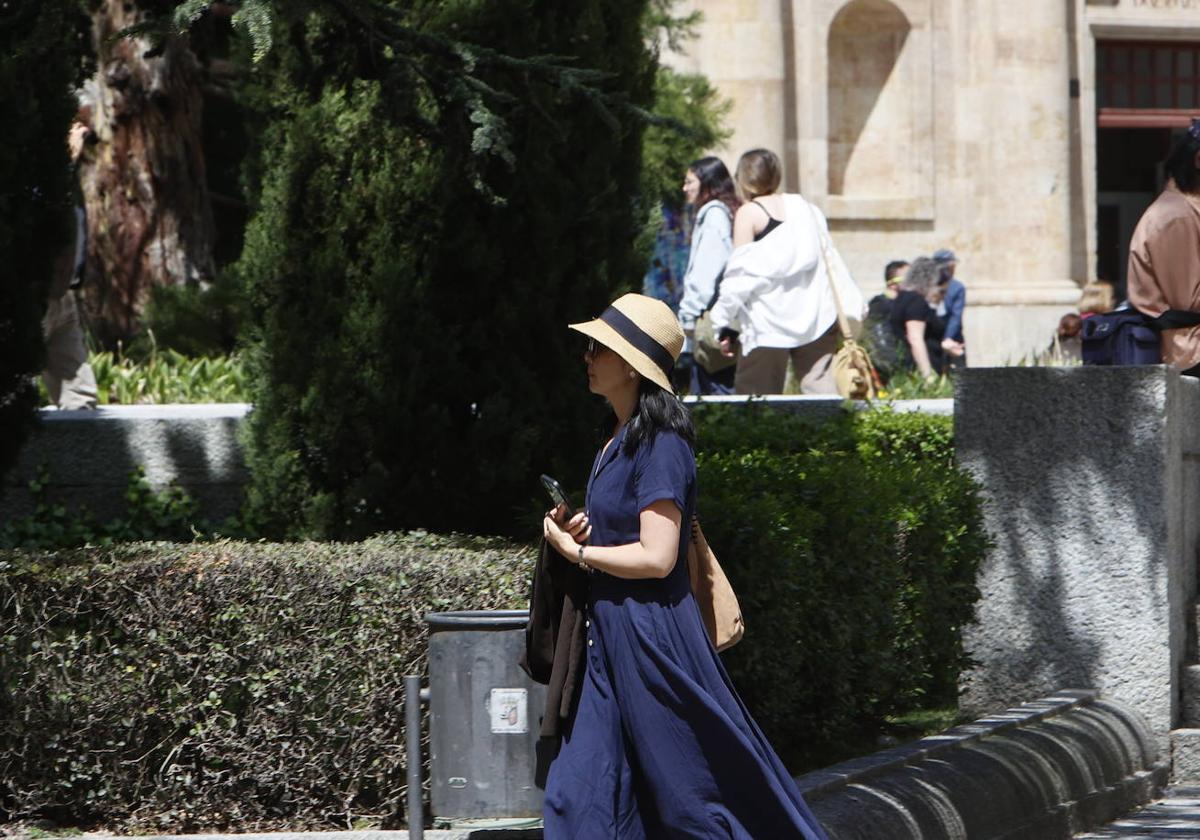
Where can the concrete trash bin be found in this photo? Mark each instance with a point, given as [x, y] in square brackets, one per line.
[484, 716]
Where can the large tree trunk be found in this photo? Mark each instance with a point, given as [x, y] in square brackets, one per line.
[149, 217]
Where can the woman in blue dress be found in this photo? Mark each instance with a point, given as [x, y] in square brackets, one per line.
[660, 745]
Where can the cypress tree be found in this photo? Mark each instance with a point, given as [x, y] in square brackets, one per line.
[412, 266]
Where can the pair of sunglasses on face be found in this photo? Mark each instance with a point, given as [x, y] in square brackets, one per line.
[594, 347]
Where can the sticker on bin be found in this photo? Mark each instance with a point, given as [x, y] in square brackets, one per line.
[508, 709]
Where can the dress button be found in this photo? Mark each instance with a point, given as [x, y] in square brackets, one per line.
[587, 622]
[589, 642]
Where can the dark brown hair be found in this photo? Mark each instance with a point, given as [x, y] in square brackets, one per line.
[715, 183]
[1181, 163]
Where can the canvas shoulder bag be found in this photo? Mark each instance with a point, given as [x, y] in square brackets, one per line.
[852, 369]
[718, 604]
[706, 348]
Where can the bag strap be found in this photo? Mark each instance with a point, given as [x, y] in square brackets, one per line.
[1174, 319]
[843, 323]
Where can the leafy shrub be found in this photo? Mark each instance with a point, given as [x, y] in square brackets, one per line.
[193, 319]
[910, 385]
[173, 688]
[168, 376]
[853, 547]
[167, 514]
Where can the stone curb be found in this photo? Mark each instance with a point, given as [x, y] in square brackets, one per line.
[856, 770]
[1043, 771]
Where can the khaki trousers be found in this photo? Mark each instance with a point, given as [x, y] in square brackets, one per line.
[68, 376]
[764, 369]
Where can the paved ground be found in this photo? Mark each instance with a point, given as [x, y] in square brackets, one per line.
[465, 833]
[1176, 816]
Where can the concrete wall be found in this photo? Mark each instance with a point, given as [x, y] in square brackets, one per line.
[90, 454]
[1091, 485]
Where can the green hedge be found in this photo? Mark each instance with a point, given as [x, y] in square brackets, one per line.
[853, 547]
[166, 687]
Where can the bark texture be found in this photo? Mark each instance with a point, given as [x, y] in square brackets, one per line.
[143, 179]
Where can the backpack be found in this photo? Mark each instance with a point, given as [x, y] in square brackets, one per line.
[880, 343]
[1129, 337]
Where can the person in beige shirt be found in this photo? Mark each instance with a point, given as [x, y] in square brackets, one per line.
[68, 377]
[1164, 254]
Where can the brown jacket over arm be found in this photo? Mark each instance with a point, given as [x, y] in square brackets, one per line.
[555, 638]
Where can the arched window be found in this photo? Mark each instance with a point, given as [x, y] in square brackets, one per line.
[876, 142]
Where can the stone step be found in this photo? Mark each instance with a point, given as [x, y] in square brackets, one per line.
[1185, 756]
[1193, 633]
[1190, 676]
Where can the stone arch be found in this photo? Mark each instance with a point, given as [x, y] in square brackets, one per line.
[873, 103]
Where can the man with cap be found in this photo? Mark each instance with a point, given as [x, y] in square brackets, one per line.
[1164, 254]
[950, 310]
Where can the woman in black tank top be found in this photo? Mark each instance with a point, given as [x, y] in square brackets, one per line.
[763, 368]
[772, 222]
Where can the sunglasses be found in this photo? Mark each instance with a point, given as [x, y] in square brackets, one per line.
[594, 347]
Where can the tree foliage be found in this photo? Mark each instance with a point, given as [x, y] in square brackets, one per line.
[691, 122]
[40, 58]
[425, 225]
[689, 113]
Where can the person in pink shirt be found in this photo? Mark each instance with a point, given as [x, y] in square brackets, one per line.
[1164, 254]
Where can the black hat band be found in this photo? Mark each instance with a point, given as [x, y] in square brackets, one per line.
[640, 340]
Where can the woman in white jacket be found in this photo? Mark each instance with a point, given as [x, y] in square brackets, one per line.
[775, 295]
[706, 186]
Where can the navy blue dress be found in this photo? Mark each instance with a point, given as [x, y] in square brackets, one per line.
[660, 745]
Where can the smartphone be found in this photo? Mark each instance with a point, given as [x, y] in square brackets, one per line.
[557, 494]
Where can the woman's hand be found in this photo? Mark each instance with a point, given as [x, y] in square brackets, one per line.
[954, 348]
[727, 348]
[566, 535]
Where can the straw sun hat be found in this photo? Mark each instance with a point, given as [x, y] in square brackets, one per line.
[641, 330]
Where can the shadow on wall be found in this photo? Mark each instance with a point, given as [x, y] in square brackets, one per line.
[865, 43]
[1078, 588]
[90, 455]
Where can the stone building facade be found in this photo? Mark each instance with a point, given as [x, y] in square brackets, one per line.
[1023, 134]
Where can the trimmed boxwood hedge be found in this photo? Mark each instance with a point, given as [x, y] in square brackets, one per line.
[179, 687]
[853, 546]
[167, 687]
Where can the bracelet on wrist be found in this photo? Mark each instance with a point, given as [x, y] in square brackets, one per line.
[581, 563]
